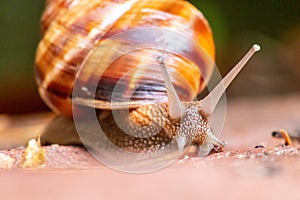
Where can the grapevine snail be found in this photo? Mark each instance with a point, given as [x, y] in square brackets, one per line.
[73, 30]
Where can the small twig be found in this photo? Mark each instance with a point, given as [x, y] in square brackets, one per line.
[283, 134]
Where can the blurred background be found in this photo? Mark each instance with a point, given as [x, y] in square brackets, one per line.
[274, 24]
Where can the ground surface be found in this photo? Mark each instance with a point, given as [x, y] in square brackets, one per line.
[240, 172]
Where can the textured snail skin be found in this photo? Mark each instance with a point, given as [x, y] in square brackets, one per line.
[152, 129]
[72, 28]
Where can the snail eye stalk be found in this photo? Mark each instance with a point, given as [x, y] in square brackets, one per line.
[176, 108]
[210, 102]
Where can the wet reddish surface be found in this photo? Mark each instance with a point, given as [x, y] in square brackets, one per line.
[240, 172]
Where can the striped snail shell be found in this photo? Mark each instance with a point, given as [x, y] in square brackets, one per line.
[74, 32]
[71, 29]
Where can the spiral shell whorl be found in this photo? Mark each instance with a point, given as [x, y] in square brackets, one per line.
[71, 28]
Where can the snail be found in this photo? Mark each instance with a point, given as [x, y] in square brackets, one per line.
[73, 32]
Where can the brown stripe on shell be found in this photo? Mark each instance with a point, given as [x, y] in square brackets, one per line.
[75, 27]
[39, 76]
[56, 103]
[62, 84]
[61, 38]
[139, 77]
[53, 9]
[180, 16]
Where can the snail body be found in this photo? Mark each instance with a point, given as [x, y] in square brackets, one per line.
[161, 108]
